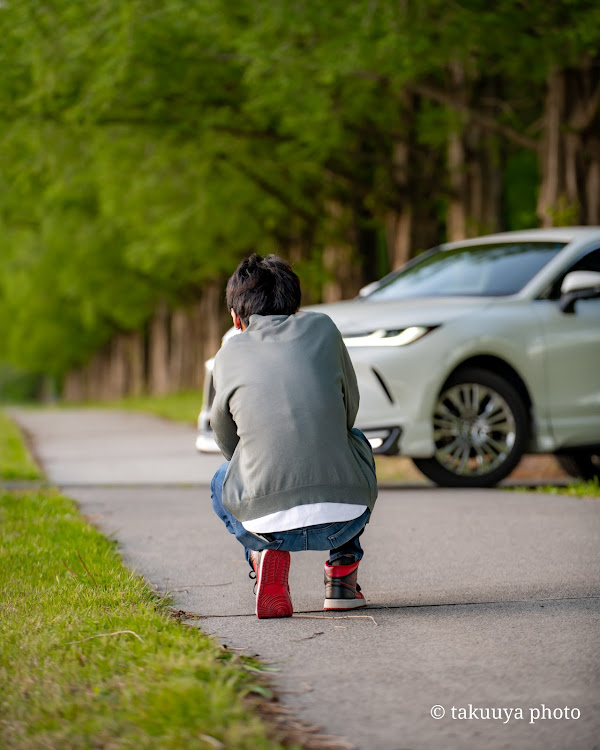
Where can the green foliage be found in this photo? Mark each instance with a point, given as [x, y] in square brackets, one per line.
[90, 657]
[520, 180]
[580, 488]
[15, 461]
[147, 146]
[564, 213]
[18, 387]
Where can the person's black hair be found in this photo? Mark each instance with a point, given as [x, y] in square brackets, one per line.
[263, 286]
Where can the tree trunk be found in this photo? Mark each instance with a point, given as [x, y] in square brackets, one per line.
[179, 337]
[474, 165]
[552, 187]
[197, 349]
[168, 357]
[117, 376]
[95, 379]
[133, 345]
[74, 387]
[339, 261]
[416, 175]
[592, 183]
[159, 351]
[570, 148]
[456, 222]
[343, 274]
[484, 182]
[399, 223]
[212, 313]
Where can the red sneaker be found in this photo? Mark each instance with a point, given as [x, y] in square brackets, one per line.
[272, 590]
[341, 590]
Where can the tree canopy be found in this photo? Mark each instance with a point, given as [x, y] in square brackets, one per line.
[147, 145]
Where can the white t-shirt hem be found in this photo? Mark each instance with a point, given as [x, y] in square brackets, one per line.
[304, 515]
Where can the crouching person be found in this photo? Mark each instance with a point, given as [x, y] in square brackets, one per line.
[298, 475]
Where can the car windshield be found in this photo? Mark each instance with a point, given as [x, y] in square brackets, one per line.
[472, 271]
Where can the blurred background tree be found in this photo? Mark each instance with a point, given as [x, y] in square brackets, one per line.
[148, 145]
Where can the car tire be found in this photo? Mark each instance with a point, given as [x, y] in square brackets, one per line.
[580, 465]
[480, 429]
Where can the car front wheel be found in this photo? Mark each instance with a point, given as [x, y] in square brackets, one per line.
[480, 429]
[581, 465]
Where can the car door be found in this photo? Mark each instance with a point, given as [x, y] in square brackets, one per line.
[572, 362]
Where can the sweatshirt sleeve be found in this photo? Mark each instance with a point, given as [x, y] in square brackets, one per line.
[221, 420]
[349, 385]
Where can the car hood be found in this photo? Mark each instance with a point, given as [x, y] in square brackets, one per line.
[362, 316]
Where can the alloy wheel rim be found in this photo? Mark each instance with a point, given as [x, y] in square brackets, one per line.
[474, 429]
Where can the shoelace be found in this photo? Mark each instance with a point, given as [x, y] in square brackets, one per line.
[252, 577]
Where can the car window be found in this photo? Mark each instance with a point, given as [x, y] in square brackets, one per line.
[589, 262]
[475, 270]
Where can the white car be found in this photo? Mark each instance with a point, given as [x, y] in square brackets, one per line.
[477, 352]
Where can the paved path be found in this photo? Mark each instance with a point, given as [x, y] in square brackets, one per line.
[481, 599]
[100, 447]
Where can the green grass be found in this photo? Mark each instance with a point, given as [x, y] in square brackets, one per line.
[180, 407]
[579, 488]
[89, 656]
[15, 461]
[69, 678]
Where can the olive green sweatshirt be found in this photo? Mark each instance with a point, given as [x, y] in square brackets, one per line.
[286, 400]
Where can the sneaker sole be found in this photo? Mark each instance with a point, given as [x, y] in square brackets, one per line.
[338, 605]
[273, 595]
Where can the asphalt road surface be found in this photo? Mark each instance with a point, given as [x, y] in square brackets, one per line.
[483, 625]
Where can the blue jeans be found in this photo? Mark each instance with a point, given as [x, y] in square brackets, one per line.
[340, 538]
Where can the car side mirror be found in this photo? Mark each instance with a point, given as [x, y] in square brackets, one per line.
[578, 285]
[366, 290]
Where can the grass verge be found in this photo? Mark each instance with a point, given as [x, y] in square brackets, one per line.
[90, 657]
[180, 407]
[15, 461]
[578, 488]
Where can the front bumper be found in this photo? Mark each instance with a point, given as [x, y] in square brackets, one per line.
[397, 388]
[383, 440]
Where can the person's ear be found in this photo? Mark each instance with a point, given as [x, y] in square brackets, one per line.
[236, 319]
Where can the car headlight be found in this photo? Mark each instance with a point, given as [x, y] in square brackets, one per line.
[383, 337]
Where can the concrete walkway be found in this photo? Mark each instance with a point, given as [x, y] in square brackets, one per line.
[478, 600]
